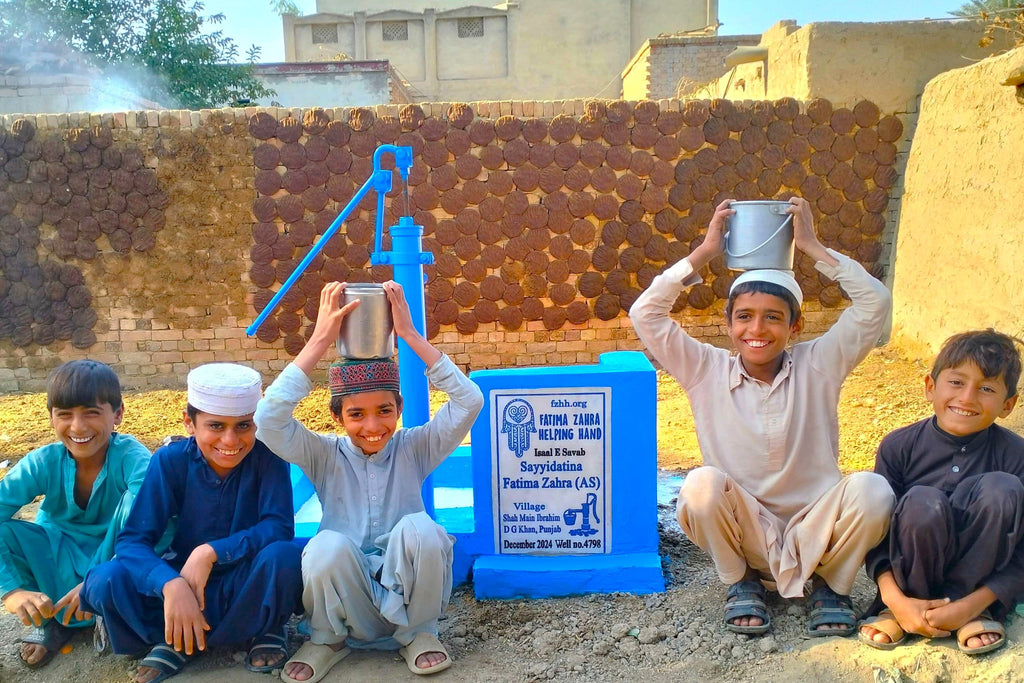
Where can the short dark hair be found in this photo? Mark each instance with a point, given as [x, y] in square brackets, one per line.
[996, 355]
[191, 411]
[761, 287]
[336, 403]
[83, 383]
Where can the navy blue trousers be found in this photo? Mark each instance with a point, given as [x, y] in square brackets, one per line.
[948, 545]
[245, 600]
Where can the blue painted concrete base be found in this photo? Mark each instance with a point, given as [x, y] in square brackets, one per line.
[503, 577]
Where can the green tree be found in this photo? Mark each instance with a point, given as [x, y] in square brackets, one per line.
[164, 48]
[285, 7]
[984, 8]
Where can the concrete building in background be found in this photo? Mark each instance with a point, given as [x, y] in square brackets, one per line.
[325, 84]
[448, 50]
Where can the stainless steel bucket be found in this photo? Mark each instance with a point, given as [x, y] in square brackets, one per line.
[760, 236]
[368, 331]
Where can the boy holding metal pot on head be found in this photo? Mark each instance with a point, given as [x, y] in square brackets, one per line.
[770, 505]
[378, 574]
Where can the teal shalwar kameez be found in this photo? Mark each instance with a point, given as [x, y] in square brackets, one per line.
[53, 554]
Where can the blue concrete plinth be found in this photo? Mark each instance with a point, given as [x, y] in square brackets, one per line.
[504, 577]
[565, 480]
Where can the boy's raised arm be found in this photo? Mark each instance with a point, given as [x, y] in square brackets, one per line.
[328, 325]
[404, 327]
[666, 340]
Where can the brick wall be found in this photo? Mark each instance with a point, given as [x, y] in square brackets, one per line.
[149, 240]
[676, 66]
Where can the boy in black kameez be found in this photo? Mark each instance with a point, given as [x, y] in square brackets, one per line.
[953, 560]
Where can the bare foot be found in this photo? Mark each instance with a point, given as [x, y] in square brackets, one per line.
[144, 674]
[817, 582]
[301, 671]
[32, 653]
[428, 660]
[982, 639]
[272, 659]
[875, 635]
[747, 621]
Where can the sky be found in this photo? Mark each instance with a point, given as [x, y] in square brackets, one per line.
[253, 22]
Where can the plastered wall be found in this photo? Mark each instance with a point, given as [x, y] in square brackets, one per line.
[150, 240]
[960, 243]
[845, 62]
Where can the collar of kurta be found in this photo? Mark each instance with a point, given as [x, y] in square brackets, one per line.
[971, 442]
[738, 373]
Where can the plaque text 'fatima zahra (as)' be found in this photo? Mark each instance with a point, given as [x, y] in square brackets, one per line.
[552, 471]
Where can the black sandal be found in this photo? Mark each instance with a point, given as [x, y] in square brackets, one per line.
[166, 660]
[829, 607]
[266, 645]
[52, 636]
[747, 599]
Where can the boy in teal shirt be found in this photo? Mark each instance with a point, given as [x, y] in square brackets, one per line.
[89, 479]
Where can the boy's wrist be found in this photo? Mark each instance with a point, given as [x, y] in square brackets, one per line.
[174, 585]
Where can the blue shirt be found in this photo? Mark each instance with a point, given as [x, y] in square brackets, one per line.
[79, 538]
[238, 515]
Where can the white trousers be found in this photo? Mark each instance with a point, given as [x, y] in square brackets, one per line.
[829, 537]
[349, 594]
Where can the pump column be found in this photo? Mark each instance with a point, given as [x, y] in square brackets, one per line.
[407, 259]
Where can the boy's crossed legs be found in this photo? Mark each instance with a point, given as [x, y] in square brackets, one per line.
[47, 583]
[945, 547]
[345, 596]
[256, 597]
[826, 542]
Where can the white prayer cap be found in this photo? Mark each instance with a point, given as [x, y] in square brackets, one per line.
[226, 389]
[782, 278]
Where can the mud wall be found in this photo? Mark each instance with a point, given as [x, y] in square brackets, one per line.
[960, 243]
[149, 240]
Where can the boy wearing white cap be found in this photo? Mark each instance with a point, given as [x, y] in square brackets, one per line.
[232, 569]
[378, 573]
[770, 505]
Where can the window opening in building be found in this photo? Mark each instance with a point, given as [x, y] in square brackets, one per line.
[471, 28]
[325, 33]
[395, 30]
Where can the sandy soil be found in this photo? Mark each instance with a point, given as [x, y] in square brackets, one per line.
[672, 636]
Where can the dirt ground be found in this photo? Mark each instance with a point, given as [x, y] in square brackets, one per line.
[672, 636]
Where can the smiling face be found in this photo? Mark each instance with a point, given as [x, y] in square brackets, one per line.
[965, 401]
[85, 430]
[759, 328]
[224, 441]
[370, 419]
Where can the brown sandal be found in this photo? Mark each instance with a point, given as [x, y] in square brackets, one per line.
[886, 623]
[976, 628]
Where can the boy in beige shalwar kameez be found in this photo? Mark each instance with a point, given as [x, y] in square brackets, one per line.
[769, 502]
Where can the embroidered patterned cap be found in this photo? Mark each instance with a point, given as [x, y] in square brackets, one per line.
[782, 278]
[227, 389]
[355, 376]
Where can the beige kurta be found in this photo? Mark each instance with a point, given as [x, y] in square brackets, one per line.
[779, 442]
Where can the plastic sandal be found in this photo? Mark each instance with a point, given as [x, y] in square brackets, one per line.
[829, 607]
[422, 644]
[976, 628]
[887, 624]
[747, 599]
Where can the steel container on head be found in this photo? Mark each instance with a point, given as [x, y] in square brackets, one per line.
[368, 331]
[760, 235]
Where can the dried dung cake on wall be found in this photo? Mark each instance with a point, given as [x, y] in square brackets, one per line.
[565, 219]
